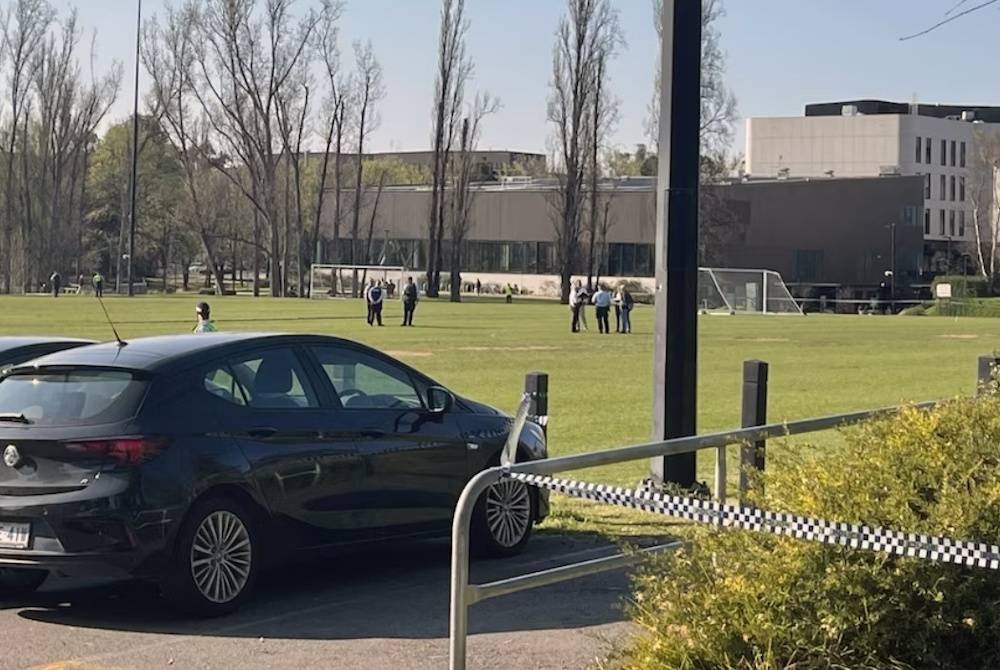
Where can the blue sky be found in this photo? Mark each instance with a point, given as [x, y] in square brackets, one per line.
[782, 54]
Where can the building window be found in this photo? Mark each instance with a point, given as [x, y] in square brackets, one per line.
[961, 155]
[941, 222]
[942, 195]
[927, 150]
[920, 149]
[961, 223]
[951, 222]
[927, 187]
[927, 222]
[961, 189]
[952, 191]
[953, 163]
[944, 152]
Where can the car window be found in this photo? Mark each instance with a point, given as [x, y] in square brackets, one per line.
[221, 383]
[72, 398]
[269, 379]
[362, 381]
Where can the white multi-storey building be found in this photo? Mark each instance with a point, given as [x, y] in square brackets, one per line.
[872, 137]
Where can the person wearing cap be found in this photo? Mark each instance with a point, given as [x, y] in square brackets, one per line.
[205, 323]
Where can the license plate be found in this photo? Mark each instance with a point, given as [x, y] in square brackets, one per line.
[14, 535]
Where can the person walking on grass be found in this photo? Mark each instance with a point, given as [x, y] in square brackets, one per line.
[627, 304]
[508, 291]
[205, 323]
[616, 300]
[577, 296]
[409, 301]
[98, 284]
[602, 301]
[375, 296]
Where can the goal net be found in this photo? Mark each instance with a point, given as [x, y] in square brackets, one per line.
[737, 291]
[326, 281]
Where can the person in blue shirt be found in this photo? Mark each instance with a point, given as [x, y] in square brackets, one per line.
[602, 301]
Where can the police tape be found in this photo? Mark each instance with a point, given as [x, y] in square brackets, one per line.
[746, 517]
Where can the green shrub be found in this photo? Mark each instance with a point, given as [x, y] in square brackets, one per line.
[962, 286]
[749, 601]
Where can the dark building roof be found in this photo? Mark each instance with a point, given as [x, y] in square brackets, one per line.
[985, 113]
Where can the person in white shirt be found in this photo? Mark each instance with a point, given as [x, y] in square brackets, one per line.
[577, 298]
[602, 300]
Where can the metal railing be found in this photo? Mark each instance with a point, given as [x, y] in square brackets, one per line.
[464, 594]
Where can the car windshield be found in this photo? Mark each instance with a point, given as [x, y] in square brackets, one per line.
[71, 397]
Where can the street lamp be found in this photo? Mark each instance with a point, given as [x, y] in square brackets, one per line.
[133, 182]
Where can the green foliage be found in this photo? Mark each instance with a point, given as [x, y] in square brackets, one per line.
[750, 601]
[642, 163]
[391, 171]
[972, 286]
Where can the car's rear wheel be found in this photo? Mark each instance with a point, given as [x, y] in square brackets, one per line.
[216, 560]
[503, 518]
[16, 582]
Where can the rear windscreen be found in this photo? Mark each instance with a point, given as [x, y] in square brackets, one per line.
[70, 398]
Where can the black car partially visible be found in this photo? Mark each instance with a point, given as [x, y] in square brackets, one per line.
[188, 460]
[17, 350]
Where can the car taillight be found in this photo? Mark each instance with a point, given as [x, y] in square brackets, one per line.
[125, 450]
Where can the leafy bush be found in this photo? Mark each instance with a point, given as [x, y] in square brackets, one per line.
[972, 286]
[748, 601]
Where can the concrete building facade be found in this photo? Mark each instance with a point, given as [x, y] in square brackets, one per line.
[814, 232]
[870, 138]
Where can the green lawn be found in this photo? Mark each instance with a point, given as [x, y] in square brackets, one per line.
[600, 388]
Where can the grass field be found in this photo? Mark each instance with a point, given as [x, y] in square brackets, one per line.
[601, 386]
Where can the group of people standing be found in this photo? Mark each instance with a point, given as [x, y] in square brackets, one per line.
[603, 300]
[375, 295]
[55, 284]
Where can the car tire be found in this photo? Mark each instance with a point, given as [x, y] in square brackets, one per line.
[15, 582]
[216, 559]
[503, 518]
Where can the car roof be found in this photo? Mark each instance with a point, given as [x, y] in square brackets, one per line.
[160, 353]
[17, 341]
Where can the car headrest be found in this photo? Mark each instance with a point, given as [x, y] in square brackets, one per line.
[274, 376]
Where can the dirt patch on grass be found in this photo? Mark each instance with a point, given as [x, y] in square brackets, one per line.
[959, 337]
[762, 339]
[524, 348]
[405, 354]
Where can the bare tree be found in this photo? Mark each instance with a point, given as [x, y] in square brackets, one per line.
[25, 24]
[718, 104]
[603, 116]
[581, 38]
[369, 91]
[454, 71]
[460, 212]
[984, 194]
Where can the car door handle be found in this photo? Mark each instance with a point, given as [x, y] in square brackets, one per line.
[262, 432]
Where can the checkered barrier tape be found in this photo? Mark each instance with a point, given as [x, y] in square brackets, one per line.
[928, 547]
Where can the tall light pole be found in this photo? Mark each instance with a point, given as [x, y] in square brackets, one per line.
[133, 181]
[675, 335]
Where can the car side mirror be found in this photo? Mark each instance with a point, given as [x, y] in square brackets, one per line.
[439, 400]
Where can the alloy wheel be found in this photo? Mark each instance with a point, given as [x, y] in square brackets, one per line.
[221, 557]
[508, 512]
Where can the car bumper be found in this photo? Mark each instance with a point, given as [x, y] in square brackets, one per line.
[100, 531]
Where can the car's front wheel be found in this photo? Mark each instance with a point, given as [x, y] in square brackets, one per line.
[503, 518]
[216, 561]
[16, 582]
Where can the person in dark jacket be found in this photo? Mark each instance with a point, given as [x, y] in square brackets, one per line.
[410, 297]
[55, 283]
[375, 296]
[627, 304]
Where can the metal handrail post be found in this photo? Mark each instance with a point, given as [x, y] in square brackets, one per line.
[459, 607]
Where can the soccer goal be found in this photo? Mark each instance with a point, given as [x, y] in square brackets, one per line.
[738, 291]
[326, 281]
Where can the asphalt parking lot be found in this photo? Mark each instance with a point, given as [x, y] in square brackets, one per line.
[380, 608]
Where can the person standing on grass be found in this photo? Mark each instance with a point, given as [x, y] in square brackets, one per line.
[205, 323]
[584, 301]
[479, 287]
[409, 301]
[98, 284]
[375, 297]
[602, 301]
[627, 304]
[616, 300]
[368, 302]
[576, 298]
[55, 283]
